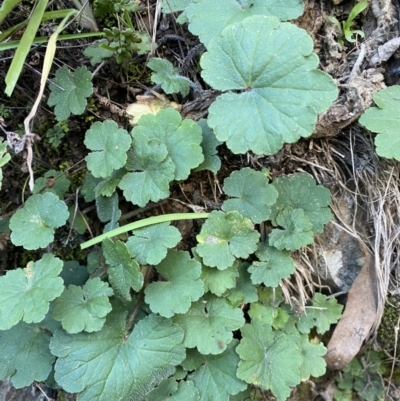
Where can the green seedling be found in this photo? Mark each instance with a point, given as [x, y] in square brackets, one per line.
[363, 377]
[347, 25]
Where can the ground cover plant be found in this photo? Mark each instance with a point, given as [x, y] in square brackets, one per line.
[122, 287]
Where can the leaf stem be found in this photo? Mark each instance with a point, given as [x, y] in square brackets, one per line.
[138, 305]
[143, 223]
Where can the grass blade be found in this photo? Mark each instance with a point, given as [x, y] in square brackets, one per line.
[44, 39]
[25, 45]
[49, 15]
[6, 8]
[144, 223]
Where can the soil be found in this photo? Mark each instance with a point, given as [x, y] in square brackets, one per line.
[338, 145]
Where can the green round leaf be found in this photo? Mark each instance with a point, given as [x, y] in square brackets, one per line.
[69, 91]
[166, 75]
[300, 191]
[153, 171]
[209, 325]
[225, 237]
[385, 121]
[296, 230]
[313, 363]
[26, 293]
[109, 145]
[273, 266]
[252, 194]
[269, 360]
[25, 355]
[208, 17]
[124, 272]
[83, 308]
[322, 314]
[33, 225]
[218, 281]
[281, 91]
[216, 377]
[181, 137]
[265, 314]
[149, 245]
[182, 286]
[111, 365]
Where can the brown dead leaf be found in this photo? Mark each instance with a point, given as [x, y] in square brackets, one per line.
[148, 105]
[357, 320]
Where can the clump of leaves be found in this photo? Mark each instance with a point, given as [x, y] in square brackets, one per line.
[121, 41]
[271, 339]
[362, 377]
[204, 293]
[55, 135]
[124, 42]
[142, 319]
[165, 148]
